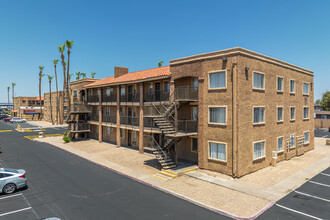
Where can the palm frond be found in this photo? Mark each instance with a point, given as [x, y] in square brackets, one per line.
[41, 68]
[50, 77]
[69, 44]
[55, 61]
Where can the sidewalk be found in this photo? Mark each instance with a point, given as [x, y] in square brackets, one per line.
[46, 124]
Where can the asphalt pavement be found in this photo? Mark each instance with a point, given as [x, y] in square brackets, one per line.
[64, 185]
[322, 133]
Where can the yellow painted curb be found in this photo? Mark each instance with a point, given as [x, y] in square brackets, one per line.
[168, 167]
[27, 130]
[192, 169]
[6, 130]
[154, 175]
[167, 174]
[172, 172]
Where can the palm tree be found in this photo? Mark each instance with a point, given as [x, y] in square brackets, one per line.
[13, 85]
[50, 97]
[83, 75]
[40, 76]
[57, 101]
[78, 75]
[8, 88]
[93, 74]
[69, 45]
[61, 50]
[70, 75]
[160, 63]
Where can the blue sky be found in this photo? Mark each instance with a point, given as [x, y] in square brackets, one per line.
[139, 34]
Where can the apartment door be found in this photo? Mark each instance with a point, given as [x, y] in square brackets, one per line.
[129, 114]
[157, 91]
[129, 94]
[129, 138]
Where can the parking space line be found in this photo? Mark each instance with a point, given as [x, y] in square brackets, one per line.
[6, 197]
[321, 184]
[324, 136]
[325, 174]
[305, 194]
[30, 206]
[12, 212]
[301, 213]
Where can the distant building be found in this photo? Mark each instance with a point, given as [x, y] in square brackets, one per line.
[28, 107]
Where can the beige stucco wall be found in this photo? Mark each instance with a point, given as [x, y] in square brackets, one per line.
[321, 123]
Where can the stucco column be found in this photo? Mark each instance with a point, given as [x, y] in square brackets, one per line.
[118, 116]
[141, 120]
[234, 115]
[202, 150]
[100, 115]
[172, 88]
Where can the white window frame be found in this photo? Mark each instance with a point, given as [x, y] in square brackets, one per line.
[279, 91]
[122, 88]
[106, 92]
[307, 88]
[294, 87]
[255, 142]
[258, 123]
[217, 106]
[208, 150]
[294, 141]
[257, 72]
[192, 145]
[304, 113]
[282, 113]
[282, 144]
[192, 113]
[209, 78]
[305, 143]
[294, 118]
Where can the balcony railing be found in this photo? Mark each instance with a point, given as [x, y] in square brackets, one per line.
[130, 97]
[79, 127]
[156, 96]
[128, 120]
[79, 108]
[109, 119]
[93, 98]
[94, 118]
[149, 123]
[187, 126]
[109, 98]
[186, 93]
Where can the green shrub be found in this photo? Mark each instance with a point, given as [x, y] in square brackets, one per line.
[65, 133]
[66, 139]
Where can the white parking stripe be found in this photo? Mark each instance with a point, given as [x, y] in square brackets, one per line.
[325, 174]
[305, 194]
[30, 206]
[324, 136]
[19, 210]
[6, 197]
[301, 213]
[321, 184]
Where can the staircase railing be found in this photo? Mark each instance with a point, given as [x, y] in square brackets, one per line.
[158, 147]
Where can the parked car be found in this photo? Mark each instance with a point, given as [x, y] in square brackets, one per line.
[3, 116]
[11, 179]
[7, 119]
[17, 120]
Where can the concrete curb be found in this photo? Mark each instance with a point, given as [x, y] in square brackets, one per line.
[219, 211]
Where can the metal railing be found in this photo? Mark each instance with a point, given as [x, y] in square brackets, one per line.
[149, 123]
[156, 96]
[79, 108]
[109, 98]
[187, 126]
[109, 119]
[128, 120]
[186, 93]
[130, 97]
[93, 98]
[79, 127]
[94, 117]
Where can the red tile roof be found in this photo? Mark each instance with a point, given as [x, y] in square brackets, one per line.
[133, 76]
[38, 98]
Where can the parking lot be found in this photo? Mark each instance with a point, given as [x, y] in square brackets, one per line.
[322, 133]
[16, 206]
[310, 201]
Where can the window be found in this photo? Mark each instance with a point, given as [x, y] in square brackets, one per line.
[194, 145]
[107, 130]
[258, 150]
[107, 110]
[292, 89]
[292, 141]
[122, 133]
[259, 115]
[55, 117]
[292, 113]
[56, 98]
[279, 144]
[306, 137]
[194, 113]
[258, 81]
[305, 88]
[217, 80]
[65, 108]
[217, 115]
[306, 113]
[75, 93]
[90, 92]
[65, 99]
[122, 90]
[52, 98]
[279, 114]
[167, 86]
[107, 92]
[45, 100]
[45, 108]
[150, 87]
[134, 135]
[195, 84]
[279, 84]
[217, 151]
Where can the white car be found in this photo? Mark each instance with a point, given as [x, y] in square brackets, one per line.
[17, 120]
[11, 179]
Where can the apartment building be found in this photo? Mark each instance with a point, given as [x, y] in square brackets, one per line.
[233, 111]
[28, 107]
[50, 107]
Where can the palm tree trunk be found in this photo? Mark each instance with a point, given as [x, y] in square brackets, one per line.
[68, 84]
[50, 99]
[64, 86]
[8, 101]
[57, 98]
[40, 116]
[13, 98]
